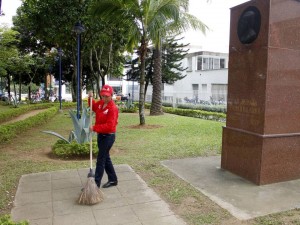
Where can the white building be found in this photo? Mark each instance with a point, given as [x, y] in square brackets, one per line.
[206, 80]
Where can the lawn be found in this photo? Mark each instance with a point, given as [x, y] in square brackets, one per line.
[163, 137]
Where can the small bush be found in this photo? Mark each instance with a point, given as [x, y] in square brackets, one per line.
[6, 220]
[130, 110]
[196, 113]
[65, 150]
[167, 104]
[127, 106]
[209, 108]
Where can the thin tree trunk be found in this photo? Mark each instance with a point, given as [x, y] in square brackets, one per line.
[29, 92]
[46, 96]
[8, 87]
[143, 51]
[20, 88]
[156, 104]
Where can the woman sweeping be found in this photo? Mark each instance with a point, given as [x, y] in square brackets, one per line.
[105, 126]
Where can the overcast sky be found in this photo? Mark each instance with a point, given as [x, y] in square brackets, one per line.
[214, 13]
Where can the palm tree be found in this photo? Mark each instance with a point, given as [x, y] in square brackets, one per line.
[143, 19]
[185, 22]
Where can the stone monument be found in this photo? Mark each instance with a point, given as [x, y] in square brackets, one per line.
[261, 139]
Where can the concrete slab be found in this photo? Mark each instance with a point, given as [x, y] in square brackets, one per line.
[51, 199]
[241, 198]
[150, 210]
[32, 211]
[119, 215]
[75, 219]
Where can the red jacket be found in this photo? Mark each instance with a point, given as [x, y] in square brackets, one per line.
[107, 118]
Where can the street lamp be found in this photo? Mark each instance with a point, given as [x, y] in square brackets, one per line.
[59, 84]
[78, 29]
[50, 83]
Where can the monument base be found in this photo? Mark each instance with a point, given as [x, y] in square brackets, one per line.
[262, 159]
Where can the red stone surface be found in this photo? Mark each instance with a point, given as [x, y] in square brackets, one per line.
[261, 140]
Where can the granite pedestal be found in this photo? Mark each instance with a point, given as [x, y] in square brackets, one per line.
[261, 139]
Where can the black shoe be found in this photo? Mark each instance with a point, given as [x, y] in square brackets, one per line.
[110, 184]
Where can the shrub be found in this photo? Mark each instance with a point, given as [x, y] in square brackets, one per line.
[14, 112]
[73, 149]
[9, 131]
[167, 104]
[6, 220]
[196, 113]
[209, 108]
[127, 106]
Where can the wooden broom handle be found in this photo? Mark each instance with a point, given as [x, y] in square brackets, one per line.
[91, 133]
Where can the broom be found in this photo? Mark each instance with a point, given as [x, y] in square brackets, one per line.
[90, 194]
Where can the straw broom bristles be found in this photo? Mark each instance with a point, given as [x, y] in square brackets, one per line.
[91, 194]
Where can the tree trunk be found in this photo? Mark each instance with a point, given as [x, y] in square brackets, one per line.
[103, 80]
[29, 92]
[143, 51]
[15, 91]
[8, 86]
[20, 88]
[156, 104]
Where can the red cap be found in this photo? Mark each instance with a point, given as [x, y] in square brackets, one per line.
[106, 90]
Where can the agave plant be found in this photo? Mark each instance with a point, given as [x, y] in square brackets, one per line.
[81, 132]
[15, 102]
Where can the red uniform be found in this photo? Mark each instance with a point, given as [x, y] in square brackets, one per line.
[106, 118]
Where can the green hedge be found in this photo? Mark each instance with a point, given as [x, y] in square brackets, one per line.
[6, 220]
[196, 113]
[193, 113]
[15, 112]
[66, 150]
[9, 131]
[209, 108]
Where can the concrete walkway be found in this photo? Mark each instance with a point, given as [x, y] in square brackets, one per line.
[241, 198]
[50, 199]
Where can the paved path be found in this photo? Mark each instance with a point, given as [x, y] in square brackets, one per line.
[240, 197]
[50, 199]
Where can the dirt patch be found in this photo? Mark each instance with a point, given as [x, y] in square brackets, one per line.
[145, 126]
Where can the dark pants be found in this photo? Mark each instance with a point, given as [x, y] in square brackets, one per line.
[105, 142]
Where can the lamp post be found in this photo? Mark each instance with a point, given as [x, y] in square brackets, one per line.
[50, 83]
[59, 84]
[78, 29]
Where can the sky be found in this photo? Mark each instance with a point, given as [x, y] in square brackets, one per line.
[214, 13]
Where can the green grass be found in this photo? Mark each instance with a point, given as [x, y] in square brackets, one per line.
[171, 137]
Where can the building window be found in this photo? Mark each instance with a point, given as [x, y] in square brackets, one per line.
[199, 63]
[206, 63]
[216, 65]
[222, 63]
[219, 92]
[195, 91]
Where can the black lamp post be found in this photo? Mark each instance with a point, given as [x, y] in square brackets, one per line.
[59, 85]
[78, 29]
